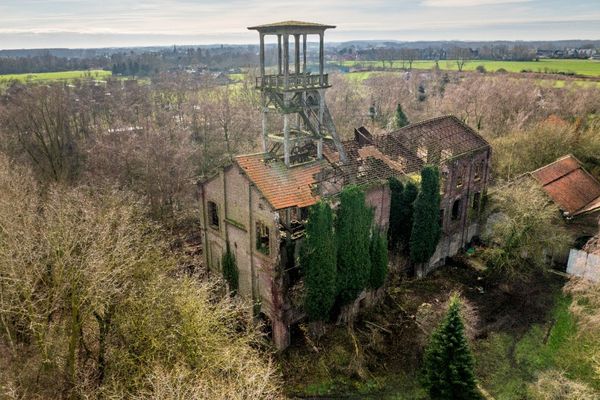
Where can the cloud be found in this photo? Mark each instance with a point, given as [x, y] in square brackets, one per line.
[49, 23]
[468, 3]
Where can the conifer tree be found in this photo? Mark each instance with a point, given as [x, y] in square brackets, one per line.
[318, 260]
[379, 260]
[353, 226]
[230, 271]
[396, 192]
[426, 226]
[400, 119]
[406, 211]
[448, 360]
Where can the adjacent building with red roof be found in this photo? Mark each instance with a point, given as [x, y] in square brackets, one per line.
[576, 193]
[572, 188]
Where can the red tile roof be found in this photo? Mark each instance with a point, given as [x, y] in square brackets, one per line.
[569, 185]
[282, 186]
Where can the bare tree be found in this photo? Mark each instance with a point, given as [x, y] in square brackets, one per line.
[460, 55]
[47, 123]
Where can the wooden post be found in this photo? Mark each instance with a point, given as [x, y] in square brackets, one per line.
[297, 58]
[286, 60]
[304, 53]
[262, 55]
[279, 55]
[321, 57]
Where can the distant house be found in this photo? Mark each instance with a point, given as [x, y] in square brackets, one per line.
[575, 191]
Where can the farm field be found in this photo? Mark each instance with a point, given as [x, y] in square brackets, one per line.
[56, 76]
[556, 83]
[579, 67]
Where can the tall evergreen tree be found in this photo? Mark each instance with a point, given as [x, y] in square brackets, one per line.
[406, 211]
[401, 212]
[400, 119]
[230, 270]
[353, 226]
[448, 360]
[426, 226]
[395, 227]
[318, 260]
[379, 260]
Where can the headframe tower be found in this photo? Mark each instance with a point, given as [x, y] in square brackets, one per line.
[295, 93]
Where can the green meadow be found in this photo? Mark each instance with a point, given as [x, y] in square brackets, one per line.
[579, 67]
[360, 76]
[57, 76]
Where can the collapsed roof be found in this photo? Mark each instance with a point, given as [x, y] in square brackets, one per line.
[406, 150]
[370, 158]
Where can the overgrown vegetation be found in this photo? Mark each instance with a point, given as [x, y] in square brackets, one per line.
[94, 304]
[524, 231]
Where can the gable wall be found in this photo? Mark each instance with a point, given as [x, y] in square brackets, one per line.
[240, 206]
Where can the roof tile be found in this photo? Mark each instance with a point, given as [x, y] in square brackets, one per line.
[283, 187]
[569, 185]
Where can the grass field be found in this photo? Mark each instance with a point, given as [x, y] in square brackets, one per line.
[57, 76]
[556, 83]
[580, 67]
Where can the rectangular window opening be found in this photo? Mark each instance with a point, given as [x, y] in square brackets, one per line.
[262, 238]
[213, 214]
[456, 210]
[476, 200]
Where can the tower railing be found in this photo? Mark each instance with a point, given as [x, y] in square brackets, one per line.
[295, 81]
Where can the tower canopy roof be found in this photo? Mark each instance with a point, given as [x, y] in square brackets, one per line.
[291, 27]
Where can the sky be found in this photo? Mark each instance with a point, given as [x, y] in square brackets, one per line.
[111, 23]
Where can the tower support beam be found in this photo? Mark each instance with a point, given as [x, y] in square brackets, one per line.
[304, 53]
[286, 60]
[262, 54]
[279, 55]
[321, 56]
[286, 132]
[297, 54]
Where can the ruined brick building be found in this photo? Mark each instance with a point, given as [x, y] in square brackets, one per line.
[259, 203]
